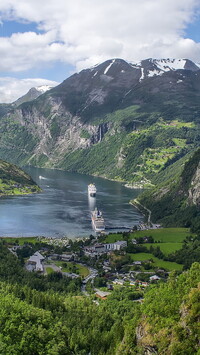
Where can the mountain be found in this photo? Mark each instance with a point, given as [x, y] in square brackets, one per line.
[176, 201]
[124, 121]
[14, 181]
[32, 94]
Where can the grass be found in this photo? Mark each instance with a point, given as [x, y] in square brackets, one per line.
[166, 248]
[168, 265]
[49, 270]
[112, 238]
[20, 240]
[164, 235]
[73, 268]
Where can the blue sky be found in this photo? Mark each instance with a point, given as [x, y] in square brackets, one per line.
[193, 30]
[46, 41]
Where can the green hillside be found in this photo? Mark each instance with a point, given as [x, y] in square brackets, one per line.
[48, 315]
[14, 181]
[117, 125]
[175, 201]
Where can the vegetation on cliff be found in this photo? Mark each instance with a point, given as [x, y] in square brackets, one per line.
[49, 315]
[175, 201]
[14, 181]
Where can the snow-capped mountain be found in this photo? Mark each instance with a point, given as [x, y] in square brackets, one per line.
[152, 67]
[32, 94]
[111, 98]
[43, 88]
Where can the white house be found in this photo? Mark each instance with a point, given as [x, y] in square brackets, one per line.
[36, 261]
[154, 278]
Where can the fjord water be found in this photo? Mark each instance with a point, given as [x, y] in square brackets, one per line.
[64, 208]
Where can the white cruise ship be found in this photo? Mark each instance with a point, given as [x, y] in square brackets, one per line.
[98, 221]
[92, 190]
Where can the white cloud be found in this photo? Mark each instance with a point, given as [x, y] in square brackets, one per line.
[11, 88]
[83, 33]
[80, 32]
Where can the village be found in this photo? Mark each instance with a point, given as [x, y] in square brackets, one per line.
[102, 267]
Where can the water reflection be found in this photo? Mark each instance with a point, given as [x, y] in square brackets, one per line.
[64, 207]
[91, 202]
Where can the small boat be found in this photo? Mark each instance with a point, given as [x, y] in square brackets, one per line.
[92, 190]
[98, 221]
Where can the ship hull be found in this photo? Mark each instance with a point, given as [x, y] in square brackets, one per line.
[92, 190]
[97, 221]
[92, 194]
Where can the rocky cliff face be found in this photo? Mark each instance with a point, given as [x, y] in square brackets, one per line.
[92, 112]
[194, 191]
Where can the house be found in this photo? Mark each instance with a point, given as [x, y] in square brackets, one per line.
[143, 284]
[101, 294]
[154, 278]
[66, 257]
[132, 283]
[34, 263]
[120, 244]
[134, 241]
[118, 282]
[137, 263]
[99, 248]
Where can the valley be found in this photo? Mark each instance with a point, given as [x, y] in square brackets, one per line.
[135, 289]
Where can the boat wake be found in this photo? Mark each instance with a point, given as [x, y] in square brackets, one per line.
[42, 178]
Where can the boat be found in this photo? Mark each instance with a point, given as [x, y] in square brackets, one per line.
[98, 221]
[92, 190]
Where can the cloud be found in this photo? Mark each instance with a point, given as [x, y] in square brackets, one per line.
[11, 88]
[84, 33]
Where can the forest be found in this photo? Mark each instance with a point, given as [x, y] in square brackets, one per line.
[49, 315]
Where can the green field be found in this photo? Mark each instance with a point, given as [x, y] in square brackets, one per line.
[73, 268]
[20, 240]
[164, 235]
[168, 265]
[166, 248]
[49, 270]
[112, 238]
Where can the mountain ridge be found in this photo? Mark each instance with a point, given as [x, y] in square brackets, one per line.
[14, 181]
[108, 111]
[32, 94]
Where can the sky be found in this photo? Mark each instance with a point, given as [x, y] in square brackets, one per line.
[45, 41]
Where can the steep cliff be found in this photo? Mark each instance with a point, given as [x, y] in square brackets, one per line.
[120, 120]
[177, 200]
[170, 316]
[14, 181]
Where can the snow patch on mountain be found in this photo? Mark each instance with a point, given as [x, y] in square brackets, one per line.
[154, 72]
[109, 66]
[43, 88]
[142, 74]
[169, 64]
[154, 67]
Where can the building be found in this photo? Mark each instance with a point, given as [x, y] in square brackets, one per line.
[154, 278]
[34, 263]
[67, 257]
[101, 294]
[101, 248]
[118, 282]
[120, 244]
[137, 262]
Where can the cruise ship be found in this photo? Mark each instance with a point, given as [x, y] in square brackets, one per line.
[98, 221]
[92, 190]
